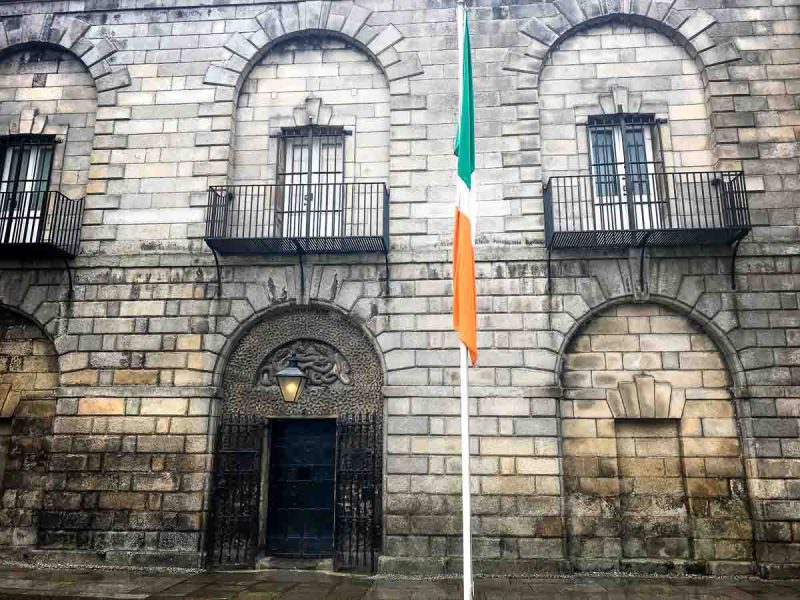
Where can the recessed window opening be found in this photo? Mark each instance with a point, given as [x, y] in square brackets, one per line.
[26, 162]
[625, 156]
[311, 173]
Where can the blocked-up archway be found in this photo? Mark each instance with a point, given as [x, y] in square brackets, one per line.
[302, 479]
[652, 459]
[28, 380]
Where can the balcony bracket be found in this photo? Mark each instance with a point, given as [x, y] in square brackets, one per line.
[302, 298]
[641, 262]
[548, 284]
[70, 289]
[218, 292]
[387, 291]
[733, 262]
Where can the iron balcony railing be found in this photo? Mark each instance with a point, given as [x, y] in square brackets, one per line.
[43, 223]
[337, 218]
[645, 209]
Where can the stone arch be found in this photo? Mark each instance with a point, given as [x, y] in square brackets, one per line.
[346, 20]
[340, 413]
[319, 79]
[653, 456]
[69, 34]
[688, 29]
[290, 319]
[704, 323]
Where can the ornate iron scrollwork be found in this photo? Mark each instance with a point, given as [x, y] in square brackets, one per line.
[322, 363]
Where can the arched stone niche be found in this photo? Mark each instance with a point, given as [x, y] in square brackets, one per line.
[617, 67]
[314, 78]
[653, 471]
[68, 34]
[345, 373]
[48, 90]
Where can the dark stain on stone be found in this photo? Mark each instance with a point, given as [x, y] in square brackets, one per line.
[334, 286]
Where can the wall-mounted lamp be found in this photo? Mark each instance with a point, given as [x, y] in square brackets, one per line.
[291, 380]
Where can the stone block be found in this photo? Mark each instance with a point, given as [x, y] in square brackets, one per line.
[101, 406]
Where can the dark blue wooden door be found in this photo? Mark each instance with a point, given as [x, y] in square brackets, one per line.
[301, 487]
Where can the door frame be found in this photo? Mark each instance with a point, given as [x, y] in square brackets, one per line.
[231, 542]
[266, 451]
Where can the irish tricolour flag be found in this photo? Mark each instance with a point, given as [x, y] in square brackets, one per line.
[464, 303]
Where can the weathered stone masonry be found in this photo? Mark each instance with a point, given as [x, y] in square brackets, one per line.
[112, 386]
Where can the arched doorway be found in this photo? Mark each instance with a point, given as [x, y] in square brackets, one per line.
[299, 480]
[653, 470]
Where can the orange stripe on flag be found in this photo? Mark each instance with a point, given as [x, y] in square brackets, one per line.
[465, 310]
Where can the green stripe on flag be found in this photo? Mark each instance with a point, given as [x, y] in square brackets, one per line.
[465, 134]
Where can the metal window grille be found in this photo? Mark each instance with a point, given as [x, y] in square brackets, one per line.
[25, 165]
[33, 218]
[623, 153]
[311, 172]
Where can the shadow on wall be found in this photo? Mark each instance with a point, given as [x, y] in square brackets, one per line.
[28, 380]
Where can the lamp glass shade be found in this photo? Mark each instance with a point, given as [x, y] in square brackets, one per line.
[291, 380]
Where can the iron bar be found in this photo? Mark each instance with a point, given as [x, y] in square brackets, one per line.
[358, 492]
[44, 222]
[336, 217]
[657, 208]
[733, 263]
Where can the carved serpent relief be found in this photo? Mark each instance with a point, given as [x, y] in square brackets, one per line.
[344, 370]
[323, 364]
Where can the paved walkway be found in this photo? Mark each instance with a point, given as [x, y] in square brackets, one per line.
[28, 584]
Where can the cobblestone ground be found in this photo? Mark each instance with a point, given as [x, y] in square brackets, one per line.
[294, 585]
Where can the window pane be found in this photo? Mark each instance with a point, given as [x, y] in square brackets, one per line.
[314, 199]
[24, 180]
[603, 160]
[636, 158]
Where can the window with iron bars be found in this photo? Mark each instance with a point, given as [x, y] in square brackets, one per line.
[311, 174]
[26, 163]
[625, 155]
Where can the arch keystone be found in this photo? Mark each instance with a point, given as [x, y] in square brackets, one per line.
[591, 8]
[645, 398]
[290, 17]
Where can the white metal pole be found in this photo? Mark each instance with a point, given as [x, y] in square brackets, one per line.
[466, 504]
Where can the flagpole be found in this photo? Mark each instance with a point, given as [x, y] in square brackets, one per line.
[466, 500]
[466, 504]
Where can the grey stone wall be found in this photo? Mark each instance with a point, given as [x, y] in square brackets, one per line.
[144, 337]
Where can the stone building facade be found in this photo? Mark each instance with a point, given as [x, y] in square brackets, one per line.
[636, 401]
